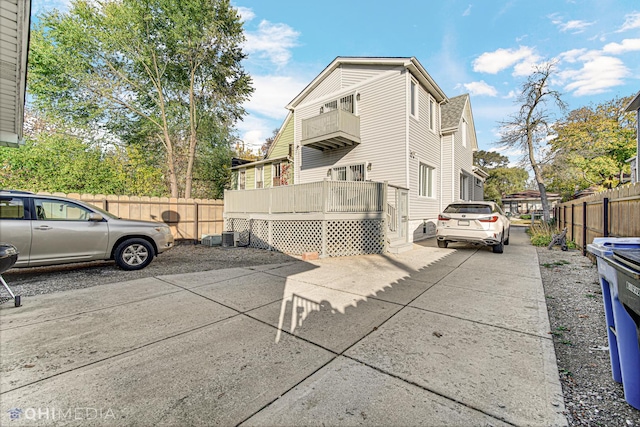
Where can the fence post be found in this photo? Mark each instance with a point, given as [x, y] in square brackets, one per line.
[572, 219]
[605, 216]
[105, 205]
[584, 228]
[195, 223]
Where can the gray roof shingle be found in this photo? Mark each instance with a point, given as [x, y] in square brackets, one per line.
[452, 111]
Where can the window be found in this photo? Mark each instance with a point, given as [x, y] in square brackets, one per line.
[242, 180]
[464, 187]
[425, 181]
[414, 99]
[260, 176]
[60, 210]
[11, 208]
[348, 173]
[432, 115]
[346, 103]
[276, 173]
[463, 131]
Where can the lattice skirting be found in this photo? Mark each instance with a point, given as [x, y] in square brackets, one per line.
[340, 237]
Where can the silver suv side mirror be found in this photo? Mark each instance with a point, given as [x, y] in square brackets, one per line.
[95, 217]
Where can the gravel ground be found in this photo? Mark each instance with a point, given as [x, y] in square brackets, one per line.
[183, 258]
[574, 301]
[576, 314]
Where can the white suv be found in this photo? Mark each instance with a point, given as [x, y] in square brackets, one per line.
[476, 222]
[50, 230]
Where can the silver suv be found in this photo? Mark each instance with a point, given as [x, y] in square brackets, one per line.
[50, 230]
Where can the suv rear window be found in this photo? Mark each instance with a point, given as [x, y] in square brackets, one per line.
[468, 208]
[11, 208]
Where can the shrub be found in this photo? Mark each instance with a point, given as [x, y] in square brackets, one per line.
[542, 233]
[525, 216]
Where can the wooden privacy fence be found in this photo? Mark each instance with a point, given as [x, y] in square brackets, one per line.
[188, 219]
[612, 213]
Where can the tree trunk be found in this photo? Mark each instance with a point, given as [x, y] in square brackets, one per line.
[193, 138]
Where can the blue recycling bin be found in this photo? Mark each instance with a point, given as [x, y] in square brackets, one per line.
[618, 262]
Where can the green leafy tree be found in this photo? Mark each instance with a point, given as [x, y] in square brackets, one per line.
[489, 159]
[530, 127]
[502, 179]
[158, 73]
[592, 146]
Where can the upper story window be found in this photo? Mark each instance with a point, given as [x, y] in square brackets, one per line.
[463, 131]
[414, 98]
[432, 114]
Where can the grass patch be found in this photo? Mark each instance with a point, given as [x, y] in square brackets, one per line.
[542, 233]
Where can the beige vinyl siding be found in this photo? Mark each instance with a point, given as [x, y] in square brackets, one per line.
[353, 74]
[447, 170]
[330, 84]
[382, 134]
[463, 156]
[425, 144]
[250, 179]
[282, 144]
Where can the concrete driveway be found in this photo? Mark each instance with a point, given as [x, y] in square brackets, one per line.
[455, 336]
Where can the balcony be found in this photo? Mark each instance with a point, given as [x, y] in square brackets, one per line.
[331, 130]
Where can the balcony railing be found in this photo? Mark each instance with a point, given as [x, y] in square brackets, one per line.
[334, 129]
[321, 197]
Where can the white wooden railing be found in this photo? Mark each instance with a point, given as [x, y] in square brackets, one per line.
[330, 122]
[324, 196]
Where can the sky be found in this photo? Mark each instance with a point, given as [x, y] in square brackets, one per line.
[484, 48]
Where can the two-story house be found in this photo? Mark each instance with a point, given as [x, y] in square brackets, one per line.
[384, 120]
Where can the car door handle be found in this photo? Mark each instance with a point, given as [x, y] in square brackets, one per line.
[43, 227]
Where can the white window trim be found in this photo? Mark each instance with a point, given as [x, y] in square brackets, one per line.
[261, 169]
[414, 98]
[432, 114]
[431, 184]
[464, 131]
[348, 171]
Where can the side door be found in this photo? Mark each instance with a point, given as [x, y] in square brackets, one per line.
[15, 225]
[62, 232]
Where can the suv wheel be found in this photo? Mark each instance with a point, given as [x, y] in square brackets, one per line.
[133, 254]
[499, 248]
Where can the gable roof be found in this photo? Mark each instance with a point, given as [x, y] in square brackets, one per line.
[411, 64]
[634, 104]
[452, 111]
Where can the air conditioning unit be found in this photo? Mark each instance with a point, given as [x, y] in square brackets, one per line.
[228, 239]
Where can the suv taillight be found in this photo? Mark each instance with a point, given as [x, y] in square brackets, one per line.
[443, 218]
[490, 219]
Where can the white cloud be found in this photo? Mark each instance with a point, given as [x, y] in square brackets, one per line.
[246, 13]
[627, 45]
[480, 88]
[467, 11]
[272, 41]
[598, 74]
[572, 55]
[501, 59]
[574, 26]
[631, 21]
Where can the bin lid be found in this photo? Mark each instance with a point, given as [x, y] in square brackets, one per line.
[603, 246]
[629, 257]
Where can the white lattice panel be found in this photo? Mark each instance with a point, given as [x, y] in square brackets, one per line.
[241, 226]
[296, 237]
[259, 234]
[357, 237]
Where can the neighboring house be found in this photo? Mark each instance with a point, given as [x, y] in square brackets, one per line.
[275, 169]
[386, 120]
[526, 202]
[634, 105]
